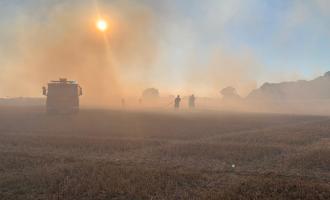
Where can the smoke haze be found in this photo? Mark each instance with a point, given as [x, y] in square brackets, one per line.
[148, 44]
[66, 44]
[61, 41]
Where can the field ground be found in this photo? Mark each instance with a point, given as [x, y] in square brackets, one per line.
[108, 154]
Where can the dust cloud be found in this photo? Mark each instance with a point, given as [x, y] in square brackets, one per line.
[64, 42]
[142, 48]
[222, 69]
[61, 40]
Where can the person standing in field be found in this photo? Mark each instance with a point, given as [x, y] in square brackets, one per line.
[177, 101]
[192, 101]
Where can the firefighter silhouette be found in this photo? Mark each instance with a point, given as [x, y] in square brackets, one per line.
[177, 102]
[192, 99]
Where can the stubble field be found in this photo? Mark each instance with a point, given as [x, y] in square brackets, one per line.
[109, 154]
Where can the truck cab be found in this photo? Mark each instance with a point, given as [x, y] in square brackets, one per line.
[62, 96]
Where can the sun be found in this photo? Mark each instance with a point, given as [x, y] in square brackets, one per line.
[102, 25]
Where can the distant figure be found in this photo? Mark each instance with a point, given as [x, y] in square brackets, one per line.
[123, 102]
[140, 101]
[177, 102]
[44, 91]
[192, 101]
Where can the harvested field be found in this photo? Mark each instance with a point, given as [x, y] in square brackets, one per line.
[111, 154]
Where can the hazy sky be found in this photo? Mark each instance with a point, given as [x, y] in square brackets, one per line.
[201, 45]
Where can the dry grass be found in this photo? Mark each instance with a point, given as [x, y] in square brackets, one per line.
[104, 154]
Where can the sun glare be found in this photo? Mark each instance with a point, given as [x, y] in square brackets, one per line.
[102, 25]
